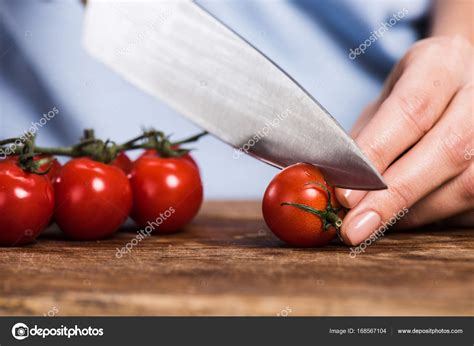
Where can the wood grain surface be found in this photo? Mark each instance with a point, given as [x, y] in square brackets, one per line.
[228, 263]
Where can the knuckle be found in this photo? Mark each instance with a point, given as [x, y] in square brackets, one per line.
[417, 110]
[459, 43]
[420, 45]
[433, 46]
[409, 57]
[456, 51]
[402, 194]
[452, 43]
[376, 152]
[453, 146]
[461, 52]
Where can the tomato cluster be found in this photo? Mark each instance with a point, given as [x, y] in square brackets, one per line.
[90, 200]
[93, 194]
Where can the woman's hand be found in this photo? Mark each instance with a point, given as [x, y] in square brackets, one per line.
[419, 134]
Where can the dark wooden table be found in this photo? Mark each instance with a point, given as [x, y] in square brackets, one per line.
[228, 263]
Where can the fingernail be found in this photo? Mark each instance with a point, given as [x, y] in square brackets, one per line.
[350, 198]
[362, 226]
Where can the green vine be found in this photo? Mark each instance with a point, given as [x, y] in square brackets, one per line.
[90, 146]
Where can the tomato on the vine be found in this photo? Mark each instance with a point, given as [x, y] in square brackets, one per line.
[54, 165]
[165, 184]
[123, 162]
[153, 152]
[93, 199]
[300, 208]
[26, 204]
[11, 158]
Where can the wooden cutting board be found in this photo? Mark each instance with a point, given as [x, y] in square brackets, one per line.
[228, 263]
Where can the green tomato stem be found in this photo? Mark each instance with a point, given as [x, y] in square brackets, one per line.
[329, 216]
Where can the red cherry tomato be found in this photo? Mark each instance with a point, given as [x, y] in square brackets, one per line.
[52, 175]
[123, 162]
[11, 158]
[152, 152]
[167, 192]
[285, 207]
[26, 204]
[55, 165]
[92, 199]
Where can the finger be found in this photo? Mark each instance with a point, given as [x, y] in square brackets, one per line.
[453, 198]
[464, 220]
[369, 111]
[364, 118]
[415, 104]
[437, 158]
[362, 121]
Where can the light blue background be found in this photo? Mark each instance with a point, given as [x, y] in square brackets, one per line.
[42, 65]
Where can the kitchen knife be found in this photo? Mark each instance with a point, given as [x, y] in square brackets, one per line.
[178, 52]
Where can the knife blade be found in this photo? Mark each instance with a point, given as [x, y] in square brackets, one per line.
[178, 52]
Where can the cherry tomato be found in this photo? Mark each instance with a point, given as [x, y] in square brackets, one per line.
[55, 165]
[92, 199]
[11, 158]
[296, 208]
[152, 152]
[123, 162]
[52, 175]
[26, 204]
[167, 192]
